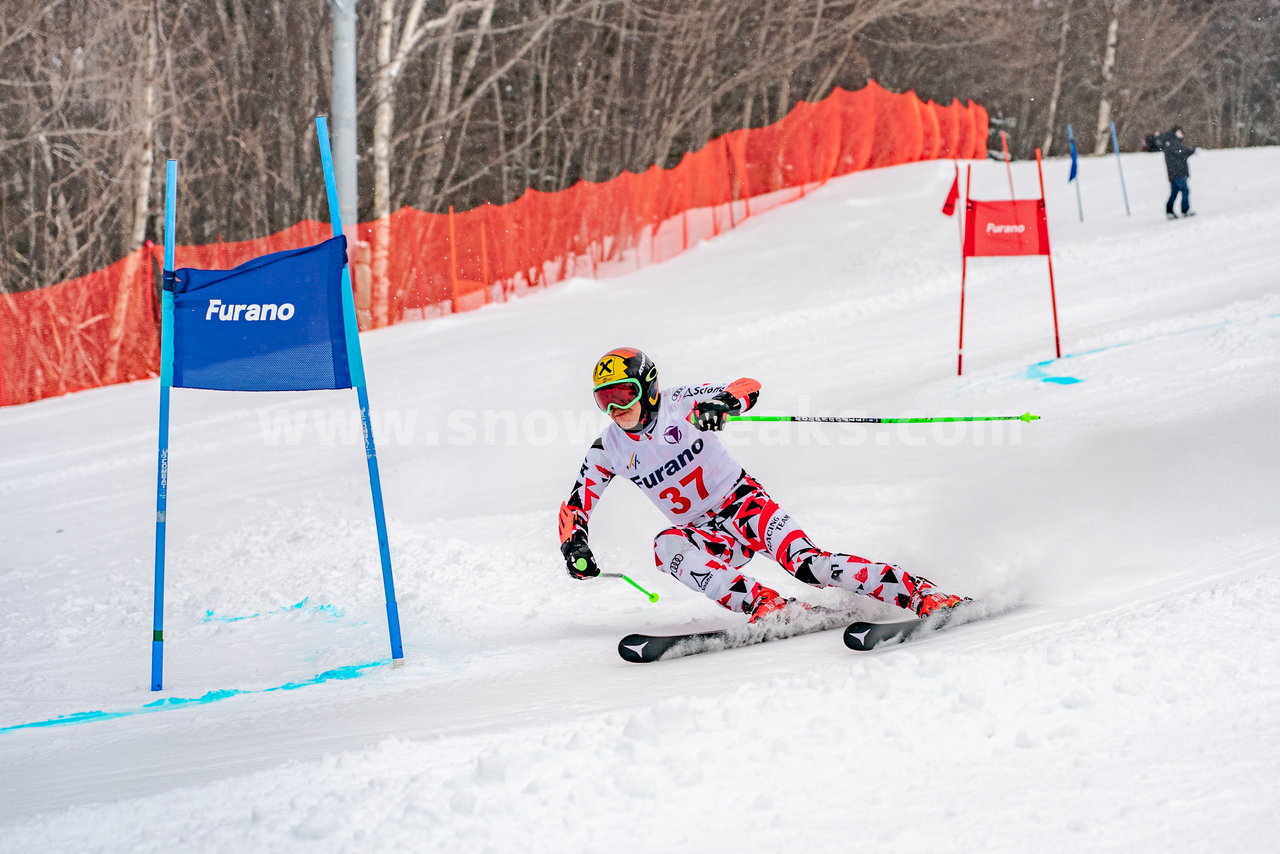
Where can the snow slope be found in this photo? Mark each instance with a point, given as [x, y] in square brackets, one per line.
[1128, 702]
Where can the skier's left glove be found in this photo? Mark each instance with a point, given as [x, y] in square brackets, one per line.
[712, 414]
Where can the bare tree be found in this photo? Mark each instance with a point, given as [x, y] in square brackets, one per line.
[1102, 128]
[1055, 93]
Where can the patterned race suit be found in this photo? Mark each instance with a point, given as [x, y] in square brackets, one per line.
[720, 515]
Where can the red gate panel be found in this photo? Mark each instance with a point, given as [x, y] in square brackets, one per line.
[1005, 228]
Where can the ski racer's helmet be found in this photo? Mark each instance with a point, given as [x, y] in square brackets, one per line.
[621, 377]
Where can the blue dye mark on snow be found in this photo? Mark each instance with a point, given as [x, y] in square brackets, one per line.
[210, 617]
[349, 672]
[331, 610]
[1037, 371]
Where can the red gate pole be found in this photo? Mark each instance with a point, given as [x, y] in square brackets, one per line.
[964, 269]
[453, 265]
[1053, 295]
[960, 219]
[1004, 143]
[1057, 346]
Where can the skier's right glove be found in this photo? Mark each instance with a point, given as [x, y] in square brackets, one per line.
[578, 559]
[712, 414]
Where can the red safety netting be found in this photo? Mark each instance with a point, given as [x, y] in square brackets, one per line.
[224, 256]
[83, 333]
[101, 328]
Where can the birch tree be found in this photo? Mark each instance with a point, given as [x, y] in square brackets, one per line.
[1102, 130]
[402, 31]
[1055, 93]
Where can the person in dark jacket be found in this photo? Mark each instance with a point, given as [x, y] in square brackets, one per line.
[1176, 152]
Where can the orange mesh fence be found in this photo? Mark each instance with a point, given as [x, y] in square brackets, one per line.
[223, 256]
[101, 328]
[83, 333]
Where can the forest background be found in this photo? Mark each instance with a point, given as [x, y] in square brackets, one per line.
[463, 102]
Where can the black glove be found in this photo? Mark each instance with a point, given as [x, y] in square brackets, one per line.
[578, 559]
[711, 414]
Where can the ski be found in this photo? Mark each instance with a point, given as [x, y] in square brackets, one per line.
[863, 636]
[642, 649]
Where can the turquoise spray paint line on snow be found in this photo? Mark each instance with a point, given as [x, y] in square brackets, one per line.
[331, 610]
[340, 673]
[1037, 371]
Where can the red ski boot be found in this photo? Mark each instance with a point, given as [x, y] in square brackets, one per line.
[770, 606]
[931, 603]
[766, 602]
[925, 598]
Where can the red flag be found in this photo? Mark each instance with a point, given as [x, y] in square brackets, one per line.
[949, 206]
[1006, 228]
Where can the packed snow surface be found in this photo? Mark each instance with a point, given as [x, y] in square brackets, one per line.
[1126, 701]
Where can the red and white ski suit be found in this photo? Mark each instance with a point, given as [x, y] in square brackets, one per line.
[720, 515]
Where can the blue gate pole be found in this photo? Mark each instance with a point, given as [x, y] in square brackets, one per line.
[1071, 139]
[356, 363]
[162, 445]
[1115, 143]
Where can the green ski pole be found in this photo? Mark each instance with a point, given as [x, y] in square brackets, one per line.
[653, 597]
[1026, 416]
[581, 563]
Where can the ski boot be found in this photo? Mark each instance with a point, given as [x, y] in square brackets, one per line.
[931, 603]
[769, 606]
[926, 599]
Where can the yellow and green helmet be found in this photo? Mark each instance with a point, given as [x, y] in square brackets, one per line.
[622, 377]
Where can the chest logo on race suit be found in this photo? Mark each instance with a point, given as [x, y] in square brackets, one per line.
[672, 435]
[670, 467]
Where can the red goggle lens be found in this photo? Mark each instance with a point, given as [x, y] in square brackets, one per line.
[617, 396]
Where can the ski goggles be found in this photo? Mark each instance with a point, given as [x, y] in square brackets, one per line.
[619, 395]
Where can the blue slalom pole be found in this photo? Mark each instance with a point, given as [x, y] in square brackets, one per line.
[1115, 143]
[356, 363]
[162, 450]
[1075, 160]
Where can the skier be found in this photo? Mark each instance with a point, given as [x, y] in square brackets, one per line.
[664, 443]
[1176, 152]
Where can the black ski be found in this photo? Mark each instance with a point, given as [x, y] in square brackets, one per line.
[864, 636]
[642, 649]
